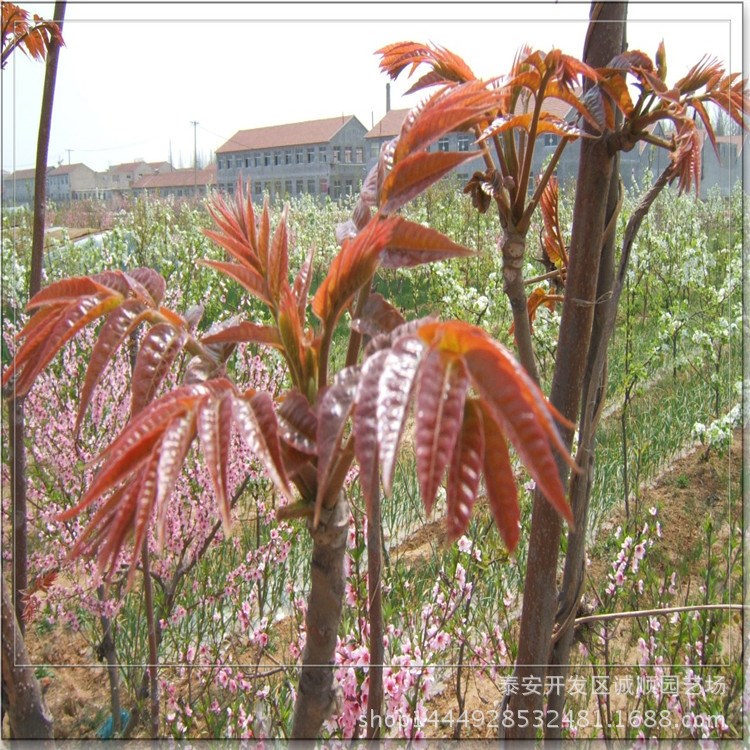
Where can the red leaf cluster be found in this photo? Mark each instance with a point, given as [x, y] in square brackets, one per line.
[469, 397]
[140, 467]
[33, 36]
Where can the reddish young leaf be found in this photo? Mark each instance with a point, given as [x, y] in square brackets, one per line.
[158, 350]
[257, 424]
[500, 481]
[412, 244]
[144, 506]
[415, 173]
[366, 427]
[464, 472]
[298, 424]
[545, 123]
[175, 443]
[19, 31]
[115, 329]
[378, 317]
[242, 332]
[707, 69]
[150, 281]
[214, 427]
[264, 237]
[352, 267]
[333, 411]
[447, 66]
[68, 290]
[554, 244]
[448, 110]
[104, 536]
[302, 282]
[250, 279]
[686, 159]
[278, 259]
[513, 399]
[440, 393]
[35, 354]
[555, 90]
[395, 390]
[237, 232]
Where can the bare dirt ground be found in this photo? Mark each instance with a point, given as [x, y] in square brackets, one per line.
[690, 489]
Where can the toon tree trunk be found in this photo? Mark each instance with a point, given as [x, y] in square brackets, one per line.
[16, 406]
[317, 697]
[29, 717]
[42, 152]
[604, 40]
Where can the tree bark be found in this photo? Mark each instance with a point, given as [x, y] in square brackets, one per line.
[375, 619]
[29, 717]
[18, 484]
[589, 219]
[16, 406]
[42, 152]
[317, 697]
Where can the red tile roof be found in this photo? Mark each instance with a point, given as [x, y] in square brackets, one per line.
[66, 169]
[21, 174]
[291, 134]
[389, 126]
[133, 166]
[177, 178]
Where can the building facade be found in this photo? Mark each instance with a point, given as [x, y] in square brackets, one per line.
[18, 188]
[72, 182]
[318, 157]
[118, 180]
[180, 183]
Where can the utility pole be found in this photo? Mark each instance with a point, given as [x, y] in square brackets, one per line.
[195, 156]
[68, 150]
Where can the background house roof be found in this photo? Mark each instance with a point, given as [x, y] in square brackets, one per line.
[177, 179]
[291, 134]
[21, 174]
[389, 126]
[133, 166]
[67, 169]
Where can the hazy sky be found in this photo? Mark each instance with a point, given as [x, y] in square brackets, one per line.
[134, 76]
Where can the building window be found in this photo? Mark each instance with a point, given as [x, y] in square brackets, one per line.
[336, 189]
[299, 187]
[267, 160]
[288, 187]
[219, 163]
[258, 159]
[336, 154]
[349, 187]
[310, 155]
[463, 142]
[443, 143]
[347, 155]
[299, 156]
[287, 157]
[277, 188]
[323, 154]
[311, 187]
[277, 158]
[359, 155]
[258, 188]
